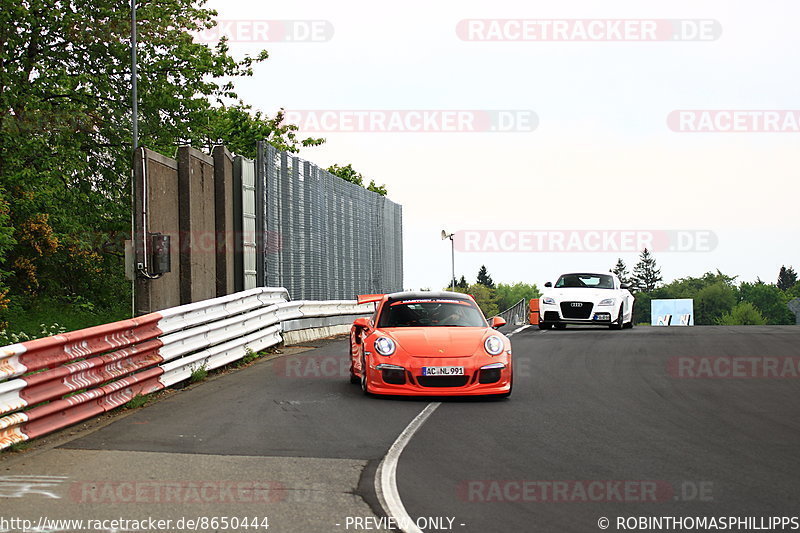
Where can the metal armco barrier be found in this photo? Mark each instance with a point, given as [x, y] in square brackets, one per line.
[516, 314]
[51, 383]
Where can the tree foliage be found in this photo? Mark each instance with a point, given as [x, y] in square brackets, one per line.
[65, 130]
[484, 278]
[742, 314]
[646, 275]
[714, 301]
[787, 278]
[348, 173]
[621, 270]
[485, 297]
[510, 294]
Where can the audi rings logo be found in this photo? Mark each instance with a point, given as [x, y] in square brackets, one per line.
[577, 304]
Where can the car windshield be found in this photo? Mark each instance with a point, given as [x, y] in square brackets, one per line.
[586, 281]
[431, 313]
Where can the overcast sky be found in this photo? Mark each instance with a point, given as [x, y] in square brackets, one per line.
[602, 155]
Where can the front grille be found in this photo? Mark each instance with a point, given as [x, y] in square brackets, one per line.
[490, 375]
[442, 381]
[568, 310]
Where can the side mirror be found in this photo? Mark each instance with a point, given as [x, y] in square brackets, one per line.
[548, 284]
[624, 286]
[497, 322]
[362, 322]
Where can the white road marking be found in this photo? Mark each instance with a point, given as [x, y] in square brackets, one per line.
[386, 475]
[521, 328]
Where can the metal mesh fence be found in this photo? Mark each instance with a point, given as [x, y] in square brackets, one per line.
[322, 237]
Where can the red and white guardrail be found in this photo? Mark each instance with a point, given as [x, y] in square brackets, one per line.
[51, 383]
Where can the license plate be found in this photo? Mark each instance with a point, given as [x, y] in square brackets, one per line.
[442, 370]
[602, 316]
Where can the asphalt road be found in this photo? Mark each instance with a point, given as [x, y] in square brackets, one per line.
[601, 424]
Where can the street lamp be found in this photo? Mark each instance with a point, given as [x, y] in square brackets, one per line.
[134, 95]
[446, 235]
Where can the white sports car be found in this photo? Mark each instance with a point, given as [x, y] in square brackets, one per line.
[586, 299]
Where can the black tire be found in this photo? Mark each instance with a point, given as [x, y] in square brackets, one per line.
[353, 378]
[544, 325]
[618, 324]
[559, 325]
[363, 380]
[629, 325]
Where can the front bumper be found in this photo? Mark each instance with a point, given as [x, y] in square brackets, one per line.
[604, 315]
[384, 377]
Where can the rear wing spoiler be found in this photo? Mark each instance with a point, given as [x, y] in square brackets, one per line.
[369, 298]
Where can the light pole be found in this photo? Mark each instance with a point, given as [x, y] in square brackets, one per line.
[134, 96]
[446, 235]
[135, 144]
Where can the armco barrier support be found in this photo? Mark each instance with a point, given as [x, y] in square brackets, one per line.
[51, 383]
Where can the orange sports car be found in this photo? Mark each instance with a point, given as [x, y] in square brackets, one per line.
[429, 344]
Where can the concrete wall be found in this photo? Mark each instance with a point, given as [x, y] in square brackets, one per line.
[196, 212]
[224, 209]
[156, 209]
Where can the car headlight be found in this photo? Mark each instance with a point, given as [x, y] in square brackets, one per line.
[493, 345]
[385, 346]
[549, 301]
[608, 301]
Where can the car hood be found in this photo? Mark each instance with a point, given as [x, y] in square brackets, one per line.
[581, 294]
[438, 341]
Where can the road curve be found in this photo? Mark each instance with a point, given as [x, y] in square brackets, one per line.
[601, 424]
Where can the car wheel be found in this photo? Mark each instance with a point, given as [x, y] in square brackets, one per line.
[353, 378]
[629, 325]
[618, 324]
[544, 325]
[364, 384]
[559, 325]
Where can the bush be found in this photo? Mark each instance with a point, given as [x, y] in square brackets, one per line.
[508, 295]
[742, 314]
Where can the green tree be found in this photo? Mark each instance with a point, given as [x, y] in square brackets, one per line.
[510, 294]
[485, 297]
[742, 314]
[621, 270]
[641, 308]
[712, 302]
[65, 128]
[348, 173]
[462, 283]
[787, 278]
[484, 278]
[646, 275]
[688, 287]
[239, 128]
[769, 300]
